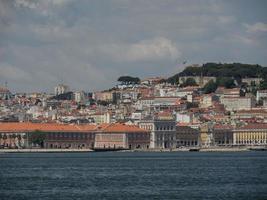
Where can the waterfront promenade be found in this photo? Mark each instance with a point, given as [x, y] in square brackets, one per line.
[207, 149]
[44, 150]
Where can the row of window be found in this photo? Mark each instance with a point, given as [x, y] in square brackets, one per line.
[70, 135]
[158, 128]
[136, 136]
[252, 142]
[165, 128]
[187, 143]
[164, 137]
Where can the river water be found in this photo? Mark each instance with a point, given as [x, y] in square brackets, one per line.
[137, 175]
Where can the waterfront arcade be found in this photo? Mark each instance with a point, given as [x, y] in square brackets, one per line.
[251, 134]
[187, 136]
[121, 136]
[22, 135]
[162, 131]
[223, 135]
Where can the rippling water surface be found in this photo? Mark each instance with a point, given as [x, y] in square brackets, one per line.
[138, 175]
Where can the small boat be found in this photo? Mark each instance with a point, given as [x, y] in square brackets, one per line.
[194, 149]
[108, 149]
[257, 149]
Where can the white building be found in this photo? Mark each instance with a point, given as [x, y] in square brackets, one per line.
[206, 101]
[79, 96]
[163, 132]
[261, 94]
[238, 103]
[251, 81]
[61, 89]
[200, 80]
[146, 102]
[184, 92]
[183, 118]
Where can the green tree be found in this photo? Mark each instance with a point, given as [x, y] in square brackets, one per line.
[174, 80]
[227, 82]
[189, 82]
[263, 84]
[129, 80]
[236, 70]
[102, 102]
[210, 87]
[37, 137]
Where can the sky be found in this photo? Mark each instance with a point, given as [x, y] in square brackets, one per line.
[88, 44]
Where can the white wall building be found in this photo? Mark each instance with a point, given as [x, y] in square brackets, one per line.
[261, 94]
[238, 103]
[183, 118]
[163, 132]
[79, 96]
[61, 89]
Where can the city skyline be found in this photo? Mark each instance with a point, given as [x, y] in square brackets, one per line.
[90, 44]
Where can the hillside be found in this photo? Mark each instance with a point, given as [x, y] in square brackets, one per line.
[236, 70]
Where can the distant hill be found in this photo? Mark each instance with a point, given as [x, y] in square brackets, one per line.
[236, 70]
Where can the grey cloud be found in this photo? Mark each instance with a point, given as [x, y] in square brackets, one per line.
[10, 72]
[89, 44]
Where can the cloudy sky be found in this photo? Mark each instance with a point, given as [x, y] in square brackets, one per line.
[88, 44]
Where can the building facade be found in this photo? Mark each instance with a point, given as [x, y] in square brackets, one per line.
[251, 134]
[54, 136]
[261, 94]
[187, 136]
[163, 131]
[61, 89]
[121, 136]
[238, 103]
[222, 135]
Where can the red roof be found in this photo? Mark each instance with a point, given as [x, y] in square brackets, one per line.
[53, 127]
[223, 126]
[254, 126]
[118, 127]
[46, 127]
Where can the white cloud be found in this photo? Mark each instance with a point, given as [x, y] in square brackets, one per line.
[25, 4]
[158, 48]
[43, 7]
[256, 28]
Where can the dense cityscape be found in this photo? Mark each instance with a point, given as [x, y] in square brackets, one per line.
[204, 106]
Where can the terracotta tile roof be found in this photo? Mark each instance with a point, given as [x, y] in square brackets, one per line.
[254, 126]
[182, 124]
[222, 126]
[46, 127]
[53, 127]
[252, 111]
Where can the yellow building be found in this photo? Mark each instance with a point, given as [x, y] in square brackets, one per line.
[251, 134]
[107, 96]
[205, 136]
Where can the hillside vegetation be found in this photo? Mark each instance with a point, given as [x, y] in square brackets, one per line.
[235, 70]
